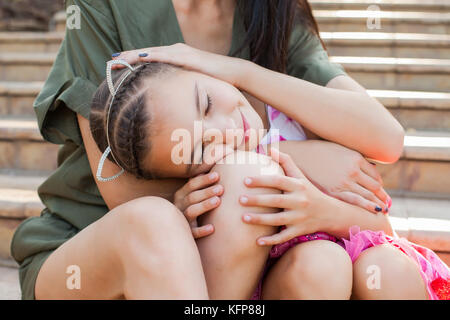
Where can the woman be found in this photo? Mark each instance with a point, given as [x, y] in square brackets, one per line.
[76, 206]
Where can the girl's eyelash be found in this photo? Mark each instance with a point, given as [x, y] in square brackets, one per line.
[209, 104]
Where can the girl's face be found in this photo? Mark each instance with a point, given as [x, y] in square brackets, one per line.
[197, 120]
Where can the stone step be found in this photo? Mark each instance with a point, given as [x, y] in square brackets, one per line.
[356, 20]
[21, 66]
[411, 74]
[22, 146]
[416, 109]
[384, 44]
[383, 21]
[422, 219]
[33, 42]
[388, 5]
[58, 22]
[424, 165]
[16, 98]
[9, 284]
[373, 72]
[380, 44]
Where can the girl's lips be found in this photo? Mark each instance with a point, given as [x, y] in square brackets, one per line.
[245, 127]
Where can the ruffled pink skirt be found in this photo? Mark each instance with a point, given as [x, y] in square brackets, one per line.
[435, 273]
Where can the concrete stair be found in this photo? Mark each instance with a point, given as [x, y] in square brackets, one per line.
[389, 21]
[24, 66]
[417, 110]
[387, 73]
[409, 74]
[33, 42]
[383, 44]
[424, 165]
[389, 5]
[22, 146]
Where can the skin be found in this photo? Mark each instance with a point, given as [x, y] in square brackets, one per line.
[125, 273]
[225, 264]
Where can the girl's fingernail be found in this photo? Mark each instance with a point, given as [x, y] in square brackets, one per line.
[243, 199]
[378, 209]
[247, 218]
[209, 228]
[214, 200]
[247, 181]
[213, 176]
[143, 54]
[216, 190]
[261, 242]
[115, 54]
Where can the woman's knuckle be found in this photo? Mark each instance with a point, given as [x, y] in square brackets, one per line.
[278, 180]
[301, 184]
[190, 198]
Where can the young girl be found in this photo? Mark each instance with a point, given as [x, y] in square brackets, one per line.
[134, 124]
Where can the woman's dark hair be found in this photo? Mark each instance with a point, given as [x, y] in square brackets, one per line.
[269, 24]
[129, 119]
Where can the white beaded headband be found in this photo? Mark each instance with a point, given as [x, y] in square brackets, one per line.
[113, 92]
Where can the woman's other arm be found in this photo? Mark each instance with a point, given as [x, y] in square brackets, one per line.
[341, 112]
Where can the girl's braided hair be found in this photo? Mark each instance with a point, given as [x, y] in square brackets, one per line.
[129, 119]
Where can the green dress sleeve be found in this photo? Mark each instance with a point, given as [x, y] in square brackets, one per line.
[308, 60]
[78, 70]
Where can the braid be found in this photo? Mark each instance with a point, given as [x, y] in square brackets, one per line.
[128, 118]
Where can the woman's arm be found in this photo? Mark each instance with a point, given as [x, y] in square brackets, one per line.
[126, 187]
[342, 112]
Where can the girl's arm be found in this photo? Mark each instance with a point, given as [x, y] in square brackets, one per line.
[342, 112]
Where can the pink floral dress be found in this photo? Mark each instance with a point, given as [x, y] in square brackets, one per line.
[435, 273]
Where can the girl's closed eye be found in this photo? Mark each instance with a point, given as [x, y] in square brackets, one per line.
[208, 104]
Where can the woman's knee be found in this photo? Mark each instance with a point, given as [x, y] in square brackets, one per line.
[318, 269]
[384, 272]
[150, 222]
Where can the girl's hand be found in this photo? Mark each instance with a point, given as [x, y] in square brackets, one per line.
[218, 66]
[305, 206]
[341, 173]
[198, 196]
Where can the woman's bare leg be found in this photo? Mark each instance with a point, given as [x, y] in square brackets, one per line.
[318, 269]
[232, 260]
[142, 249]
[399, 276]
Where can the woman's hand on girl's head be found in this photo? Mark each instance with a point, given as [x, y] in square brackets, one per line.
[305, 206]
[199, 195]
[218, 66]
